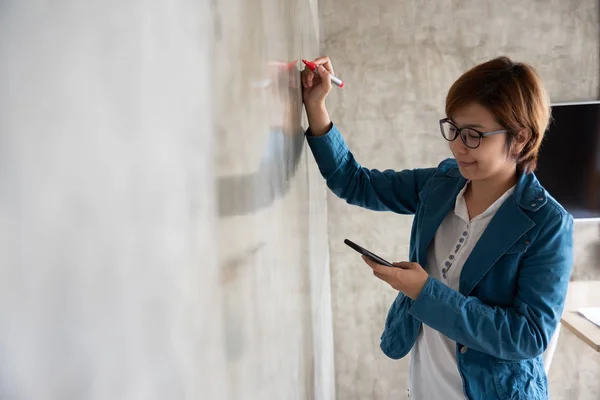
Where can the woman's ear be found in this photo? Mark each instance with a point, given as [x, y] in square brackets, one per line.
[520, 141]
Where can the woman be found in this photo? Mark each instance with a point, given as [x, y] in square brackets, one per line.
[491, 251]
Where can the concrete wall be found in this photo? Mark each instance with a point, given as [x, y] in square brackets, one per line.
[272, 205]
[108, 274]
[162, 235]
[398, 59]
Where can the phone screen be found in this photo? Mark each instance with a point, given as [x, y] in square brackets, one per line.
[367, 253]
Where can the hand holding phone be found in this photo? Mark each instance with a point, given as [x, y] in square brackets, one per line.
[368, 254]
[410, 281]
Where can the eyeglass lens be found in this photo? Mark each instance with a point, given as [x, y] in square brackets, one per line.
[468, 136]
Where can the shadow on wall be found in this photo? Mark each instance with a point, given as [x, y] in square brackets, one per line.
[246, 194]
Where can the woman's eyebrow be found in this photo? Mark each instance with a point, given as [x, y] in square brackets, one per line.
[470, 125]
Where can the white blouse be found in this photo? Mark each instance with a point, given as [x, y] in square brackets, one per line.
[433, 368]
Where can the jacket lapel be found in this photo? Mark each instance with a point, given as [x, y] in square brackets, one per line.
[440, 200]
[506, 227]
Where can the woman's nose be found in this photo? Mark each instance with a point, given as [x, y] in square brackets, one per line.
[458, 147]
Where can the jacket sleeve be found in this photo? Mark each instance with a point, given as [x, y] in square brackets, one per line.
[522, 330]
[369, 188]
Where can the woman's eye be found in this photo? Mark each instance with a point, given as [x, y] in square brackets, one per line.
[471, 134]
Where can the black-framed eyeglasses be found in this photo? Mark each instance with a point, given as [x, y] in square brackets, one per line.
[470, 137]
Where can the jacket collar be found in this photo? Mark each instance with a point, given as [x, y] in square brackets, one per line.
[509, 225]
[529, 193]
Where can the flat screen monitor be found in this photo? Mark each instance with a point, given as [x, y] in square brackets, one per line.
[569, 159]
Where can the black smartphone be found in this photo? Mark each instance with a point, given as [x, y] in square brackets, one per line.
[367, 253]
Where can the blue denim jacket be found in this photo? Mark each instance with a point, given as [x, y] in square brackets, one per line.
[512, 286]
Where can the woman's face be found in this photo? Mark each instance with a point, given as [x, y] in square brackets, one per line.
[491, 158]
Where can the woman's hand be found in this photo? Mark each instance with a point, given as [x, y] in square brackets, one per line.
[317, 85]
[409, 278]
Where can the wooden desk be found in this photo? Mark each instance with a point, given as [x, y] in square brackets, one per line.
[582, 294]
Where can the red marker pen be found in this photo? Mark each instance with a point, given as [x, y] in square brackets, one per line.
[313, 67]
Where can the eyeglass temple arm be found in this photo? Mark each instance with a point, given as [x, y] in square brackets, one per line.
[493, 133]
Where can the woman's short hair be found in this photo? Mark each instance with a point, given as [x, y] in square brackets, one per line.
[514, 93]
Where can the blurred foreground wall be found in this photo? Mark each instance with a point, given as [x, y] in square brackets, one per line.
[162, 234]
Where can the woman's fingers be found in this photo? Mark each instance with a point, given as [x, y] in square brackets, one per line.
[326, 63]
[307, 78]
[324, 74]
[378, 268]
[404, 265]
[380, 276]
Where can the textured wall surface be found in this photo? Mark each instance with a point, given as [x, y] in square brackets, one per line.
[108, 275]
[398, 59]
[163, 235]
[272, 206]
